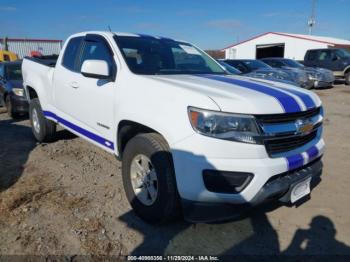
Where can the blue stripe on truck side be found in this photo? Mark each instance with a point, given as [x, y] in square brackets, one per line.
[82, 131]
[288, 103]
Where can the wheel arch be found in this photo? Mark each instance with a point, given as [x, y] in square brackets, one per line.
[347, 69]
[128, 129]
[31, 92]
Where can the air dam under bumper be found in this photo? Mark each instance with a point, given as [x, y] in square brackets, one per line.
[276, 188]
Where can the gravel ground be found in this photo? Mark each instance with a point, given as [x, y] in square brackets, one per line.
[66, 198]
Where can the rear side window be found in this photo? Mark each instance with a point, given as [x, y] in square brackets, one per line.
[311, 55]
[71, 52]
[325, 55]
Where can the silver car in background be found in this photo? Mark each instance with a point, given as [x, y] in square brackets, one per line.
[319, 76]
[258, 69]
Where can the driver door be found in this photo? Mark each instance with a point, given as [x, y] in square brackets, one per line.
[95, 101]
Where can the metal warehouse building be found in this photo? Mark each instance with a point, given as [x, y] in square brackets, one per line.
[23, 47]
[273, 44]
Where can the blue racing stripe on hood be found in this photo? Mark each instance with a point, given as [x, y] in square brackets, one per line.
[307, 100]
[288, 103]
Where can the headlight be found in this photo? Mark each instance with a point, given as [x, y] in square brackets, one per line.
[314, 76]
[235, 127]
[18, 91]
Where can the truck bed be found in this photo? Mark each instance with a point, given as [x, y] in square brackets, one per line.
[49, 60]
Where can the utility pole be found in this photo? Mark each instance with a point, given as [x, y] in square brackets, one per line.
[311, 22]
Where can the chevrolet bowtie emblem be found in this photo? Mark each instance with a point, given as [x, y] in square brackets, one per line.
[304, 126]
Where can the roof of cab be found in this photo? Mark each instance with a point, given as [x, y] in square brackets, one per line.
[111, 34]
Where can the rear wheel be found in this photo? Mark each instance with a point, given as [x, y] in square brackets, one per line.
[43, 129]
[149, 178]
[10, 110]
[347, 78]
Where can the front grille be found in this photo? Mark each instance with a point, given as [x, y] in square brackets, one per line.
[285, 144]
[289, 117]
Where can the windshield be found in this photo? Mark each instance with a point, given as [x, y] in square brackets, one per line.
[342, 53]
[153, 56]
[13, 72]
[293, 63]
[255, 64]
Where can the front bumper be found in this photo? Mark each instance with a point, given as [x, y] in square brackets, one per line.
[321, 84]
[19, 104]
[277, 188]
[197, 153]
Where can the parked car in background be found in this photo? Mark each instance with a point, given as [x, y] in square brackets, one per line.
[337, 60]
[188, 134]
[259, 69]
[230, 69]
[318, 76]
[12, 94]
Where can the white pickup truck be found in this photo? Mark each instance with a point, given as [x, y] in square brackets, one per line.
[191, 137]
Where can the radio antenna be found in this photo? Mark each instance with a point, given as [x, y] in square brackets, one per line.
[311, 22]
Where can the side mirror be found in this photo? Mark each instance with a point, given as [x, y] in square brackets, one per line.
[335, 58]
[95, 69]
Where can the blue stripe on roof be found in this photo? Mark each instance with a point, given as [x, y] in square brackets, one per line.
[288, 103]
[295, 161]
[307, 100]
[80, 130]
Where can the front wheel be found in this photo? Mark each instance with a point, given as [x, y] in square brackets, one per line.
[43, 129]
[149, 178]
[9, 108]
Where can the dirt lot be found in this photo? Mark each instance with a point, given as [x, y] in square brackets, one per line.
[66, 197]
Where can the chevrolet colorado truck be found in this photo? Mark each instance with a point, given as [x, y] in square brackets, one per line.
[192, 139]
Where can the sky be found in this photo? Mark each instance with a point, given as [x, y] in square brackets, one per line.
[210, 24]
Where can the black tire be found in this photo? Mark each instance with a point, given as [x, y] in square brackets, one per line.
[166, 206]
[10, 110]
[347, 78]
[47, 130]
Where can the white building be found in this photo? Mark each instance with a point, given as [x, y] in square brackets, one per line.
[273, 44]
[23, 47]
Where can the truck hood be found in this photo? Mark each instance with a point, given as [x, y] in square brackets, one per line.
[238, 94]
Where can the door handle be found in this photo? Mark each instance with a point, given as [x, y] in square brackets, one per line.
[74, 85]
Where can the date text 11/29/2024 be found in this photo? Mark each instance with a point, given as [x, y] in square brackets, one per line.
[173, 258]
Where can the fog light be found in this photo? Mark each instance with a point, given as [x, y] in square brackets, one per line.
[225, 181]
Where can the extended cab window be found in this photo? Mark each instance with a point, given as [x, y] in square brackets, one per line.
[71, 52]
